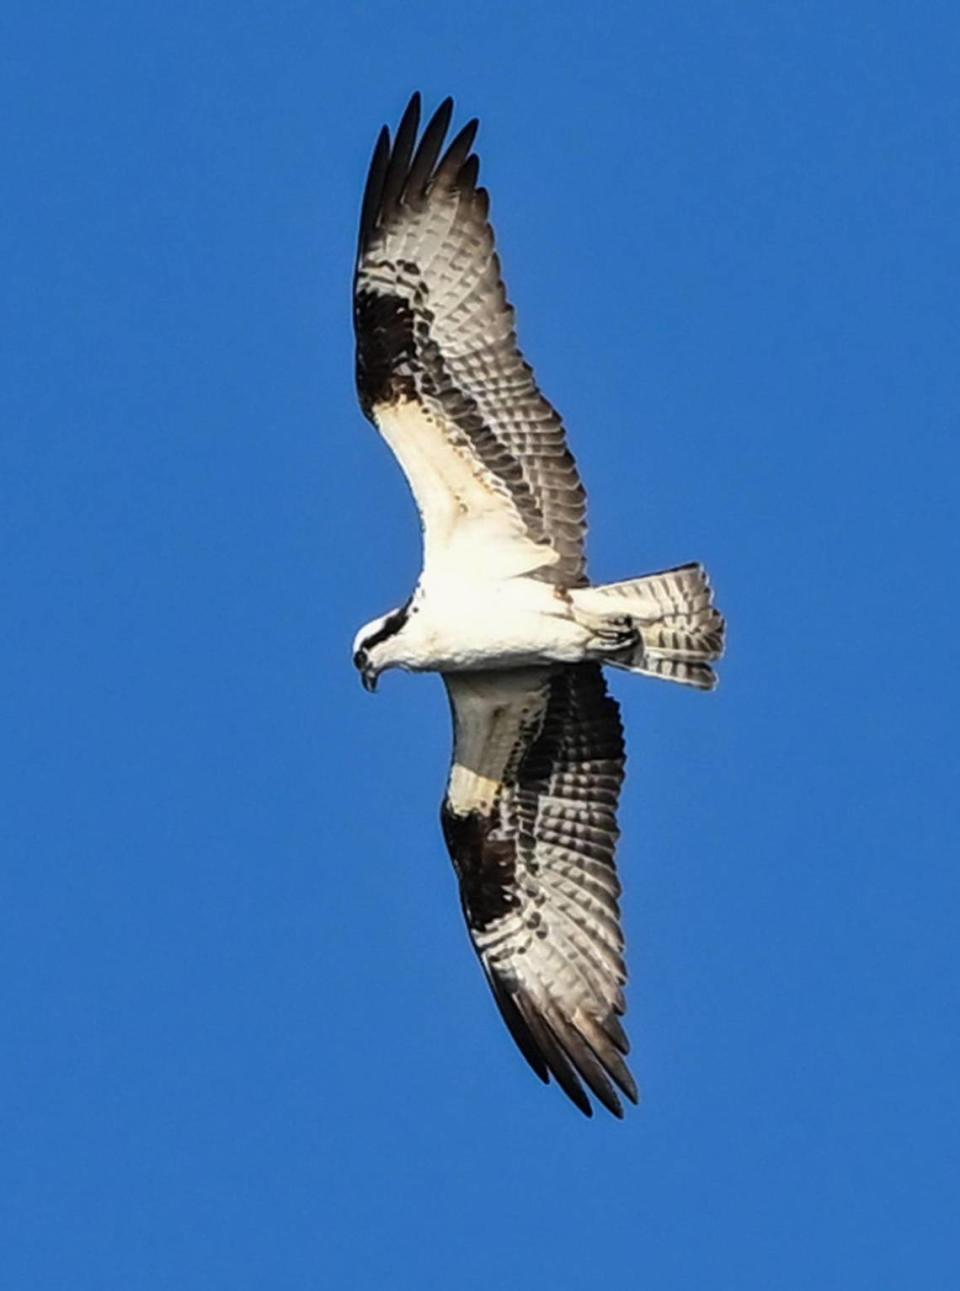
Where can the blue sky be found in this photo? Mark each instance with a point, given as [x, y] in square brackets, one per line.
[245, 1040]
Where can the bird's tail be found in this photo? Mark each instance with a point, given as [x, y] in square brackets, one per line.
[679, 633]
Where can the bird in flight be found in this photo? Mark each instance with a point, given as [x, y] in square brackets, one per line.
[504, 611]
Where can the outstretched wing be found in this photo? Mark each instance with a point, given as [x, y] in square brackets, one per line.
[530, 822]
[440, 374]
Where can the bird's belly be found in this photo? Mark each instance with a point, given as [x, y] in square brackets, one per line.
[510, 626]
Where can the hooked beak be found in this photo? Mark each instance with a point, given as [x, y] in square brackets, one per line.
[368, 674]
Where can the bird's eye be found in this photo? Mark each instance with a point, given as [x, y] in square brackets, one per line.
[359, 659]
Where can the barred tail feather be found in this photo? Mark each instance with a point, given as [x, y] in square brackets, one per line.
[680, 631]
[699, 675]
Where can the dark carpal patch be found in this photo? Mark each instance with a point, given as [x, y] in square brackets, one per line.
[486, 865]
[397, 359]
[386, 349]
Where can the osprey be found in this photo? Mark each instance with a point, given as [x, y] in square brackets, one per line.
[503, 609]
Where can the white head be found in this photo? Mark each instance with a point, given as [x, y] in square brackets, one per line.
[374, 645]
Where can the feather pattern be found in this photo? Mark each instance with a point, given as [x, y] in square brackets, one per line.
[439, 369]
[504, 612]
[530, 823]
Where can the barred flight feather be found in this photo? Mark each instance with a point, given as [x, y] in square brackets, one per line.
[435, 331]
[537, 878]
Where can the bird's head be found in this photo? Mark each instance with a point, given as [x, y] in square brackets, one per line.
[374, 646]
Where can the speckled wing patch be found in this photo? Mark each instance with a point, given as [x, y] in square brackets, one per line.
[534, 854]
[434, 329]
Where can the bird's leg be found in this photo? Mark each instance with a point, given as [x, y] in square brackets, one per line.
[608, 632]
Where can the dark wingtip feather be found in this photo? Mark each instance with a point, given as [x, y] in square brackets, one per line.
[467, 178]
[553, 1055]
[428, 150]
[614, 1029]
[589, 1065]
[457, 153]
[518, 1028]
[620, 1072]
[373, 190]
[608, 1043]
[406, 169]
[401, 154]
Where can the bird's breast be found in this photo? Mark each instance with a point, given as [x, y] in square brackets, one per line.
[513, 624]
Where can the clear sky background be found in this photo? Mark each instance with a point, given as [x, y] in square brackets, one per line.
[245, 1043]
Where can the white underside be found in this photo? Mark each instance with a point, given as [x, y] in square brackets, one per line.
[462, 626]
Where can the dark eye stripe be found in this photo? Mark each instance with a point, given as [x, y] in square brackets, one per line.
[391, 626]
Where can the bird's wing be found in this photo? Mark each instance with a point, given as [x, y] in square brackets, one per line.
[440, 374]
[530, 822]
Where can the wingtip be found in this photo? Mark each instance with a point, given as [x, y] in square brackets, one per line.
[576, 1093]
[630, 1090]
[458, 152]
[410, 121]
